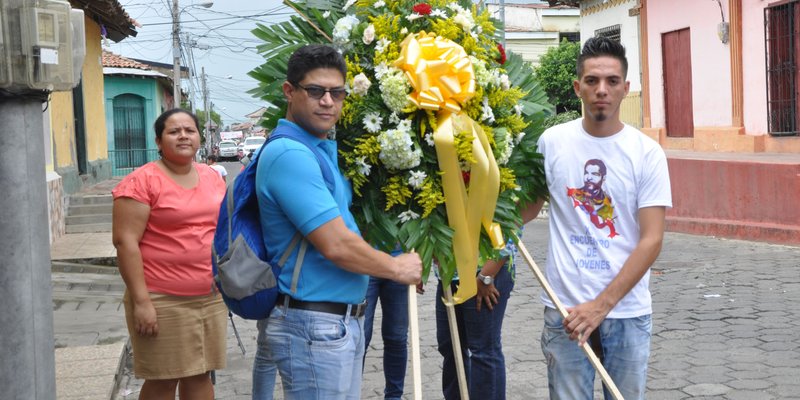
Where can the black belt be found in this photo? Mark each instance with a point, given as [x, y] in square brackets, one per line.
[356, 310]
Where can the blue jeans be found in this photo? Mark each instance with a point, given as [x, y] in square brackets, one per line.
[481, 349]
[319, 355]
[394, 330]
[626, 349]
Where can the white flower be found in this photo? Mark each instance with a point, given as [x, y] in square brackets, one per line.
[429, 139]
[369, 34]
[372, 122]
[326, 14]
[406, 216]
[395, 89]
[519, 137]
[486, 111]
[518, 109]
[412, 17]
[361, 84]
[504, 83]
[404, 31]
[438, 13]
[379, 4]
[381, 70]
[404, 125]
[504, 146]
[417, 178]
[394, 118]
[363, 167]
[380, 46]
[397, 150]
[348, 4]
[343, 27]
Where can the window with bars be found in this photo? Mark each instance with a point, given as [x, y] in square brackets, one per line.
[782, 44]
[570, 36]
[611, 32]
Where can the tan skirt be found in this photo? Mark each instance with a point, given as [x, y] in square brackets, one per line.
[190, 341]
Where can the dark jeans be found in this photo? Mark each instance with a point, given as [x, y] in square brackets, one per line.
[394, 329]
[479, 334]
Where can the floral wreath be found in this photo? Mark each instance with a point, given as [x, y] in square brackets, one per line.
[413, 68]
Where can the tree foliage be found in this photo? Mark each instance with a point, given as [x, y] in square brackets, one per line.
[556, 71]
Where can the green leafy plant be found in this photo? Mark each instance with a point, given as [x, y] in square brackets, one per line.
[384, 136]
[556, 71]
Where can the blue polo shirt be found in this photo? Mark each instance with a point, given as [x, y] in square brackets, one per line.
[292, 196]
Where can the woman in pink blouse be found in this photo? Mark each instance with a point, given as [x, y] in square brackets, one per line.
[165, 214]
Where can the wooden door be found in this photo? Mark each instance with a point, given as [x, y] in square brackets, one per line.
[677, 60]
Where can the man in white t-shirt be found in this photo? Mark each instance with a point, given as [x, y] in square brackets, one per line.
[609, 190]
[212, 162]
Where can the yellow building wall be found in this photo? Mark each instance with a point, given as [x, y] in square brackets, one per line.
[62, 126]
[630, 111]
[93, 98]
[62, 129]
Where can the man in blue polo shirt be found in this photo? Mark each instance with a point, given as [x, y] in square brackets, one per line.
[314, 336]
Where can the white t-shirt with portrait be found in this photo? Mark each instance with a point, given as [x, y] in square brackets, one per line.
[597, 186]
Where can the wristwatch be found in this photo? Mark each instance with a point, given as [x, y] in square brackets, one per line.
[487, 280]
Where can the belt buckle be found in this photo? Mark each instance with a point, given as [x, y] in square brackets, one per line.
[360, 309]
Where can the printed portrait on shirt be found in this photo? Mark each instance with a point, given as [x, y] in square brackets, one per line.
[591, 199]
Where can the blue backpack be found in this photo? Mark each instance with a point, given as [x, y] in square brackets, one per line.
[246, 280]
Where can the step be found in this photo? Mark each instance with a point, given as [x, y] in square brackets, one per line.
[87, 228]
[86, 209]
[91, 199]
[88, 219]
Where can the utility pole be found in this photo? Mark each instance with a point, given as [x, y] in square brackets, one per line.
[207, 109]
[503, 20]
[26, 322]
[176, 55]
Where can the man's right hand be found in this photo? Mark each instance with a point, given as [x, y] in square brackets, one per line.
[408, 269]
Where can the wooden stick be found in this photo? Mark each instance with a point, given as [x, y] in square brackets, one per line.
[451, 319]
[598, 366]
[413, 326]
[288, 3]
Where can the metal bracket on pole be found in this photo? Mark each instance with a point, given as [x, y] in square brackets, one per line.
[598, 366]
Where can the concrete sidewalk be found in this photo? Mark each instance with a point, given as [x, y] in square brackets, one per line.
[88, 319]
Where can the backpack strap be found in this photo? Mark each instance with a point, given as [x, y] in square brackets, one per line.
[327, 174]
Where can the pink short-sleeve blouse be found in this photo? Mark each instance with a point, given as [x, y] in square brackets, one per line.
[176, 244]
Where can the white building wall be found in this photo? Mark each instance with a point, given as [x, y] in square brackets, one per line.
[629, 34]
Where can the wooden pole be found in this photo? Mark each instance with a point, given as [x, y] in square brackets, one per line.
[459, 360]
[563, 311]
[413, 326]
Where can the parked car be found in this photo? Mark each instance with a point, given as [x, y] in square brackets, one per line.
[253, 143]
[227, 149]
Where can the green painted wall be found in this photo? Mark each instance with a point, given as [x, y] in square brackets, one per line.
[146, 87]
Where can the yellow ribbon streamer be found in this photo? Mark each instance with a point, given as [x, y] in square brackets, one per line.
[443, 79]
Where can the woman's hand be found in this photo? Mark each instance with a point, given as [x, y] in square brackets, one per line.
[486, 294]
[145, 320]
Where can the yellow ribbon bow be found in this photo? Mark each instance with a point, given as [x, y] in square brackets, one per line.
[443, 80]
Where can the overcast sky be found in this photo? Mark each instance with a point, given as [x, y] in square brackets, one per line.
[225, 27]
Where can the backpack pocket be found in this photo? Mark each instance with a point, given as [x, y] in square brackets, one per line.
[242, 273]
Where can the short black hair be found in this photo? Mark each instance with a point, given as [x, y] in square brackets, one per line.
[311, 57]
[212, 157]
[161, 121]
[599, 46]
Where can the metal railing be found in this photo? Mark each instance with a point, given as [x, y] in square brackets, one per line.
[125, 161]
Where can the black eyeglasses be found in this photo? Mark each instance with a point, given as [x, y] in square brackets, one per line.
[316, 92]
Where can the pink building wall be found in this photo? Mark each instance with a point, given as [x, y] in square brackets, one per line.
[711, 70]
[754, 67]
